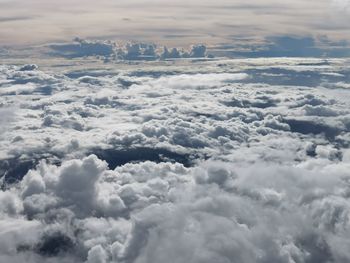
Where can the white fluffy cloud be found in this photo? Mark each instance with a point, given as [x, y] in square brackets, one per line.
[187, 161]
[215, 211]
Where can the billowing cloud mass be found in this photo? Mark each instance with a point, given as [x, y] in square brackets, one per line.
[110, 51]
[242, 160]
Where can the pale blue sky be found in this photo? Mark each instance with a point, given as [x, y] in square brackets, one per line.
[178, 22]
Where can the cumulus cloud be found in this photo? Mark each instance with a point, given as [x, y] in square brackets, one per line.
[215, 211]
[110, 51]
[188, 161]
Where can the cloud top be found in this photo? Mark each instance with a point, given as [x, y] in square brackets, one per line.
[185, 160]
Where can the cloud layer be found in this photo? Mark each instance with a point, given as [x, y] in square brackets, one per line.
[187, 161]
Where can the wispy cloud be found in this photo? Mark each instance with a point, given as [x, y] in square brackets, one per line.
[14, 18]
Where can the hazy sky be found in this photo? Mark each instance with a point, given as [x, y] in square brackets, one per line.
[177, 22]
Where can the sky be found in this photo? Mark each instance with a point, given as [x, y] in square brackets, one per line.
[176, 23]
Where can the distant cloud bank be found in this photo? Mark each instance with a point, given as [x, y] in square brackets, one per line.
[285, 46]
[109, 50]
[274, 46]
